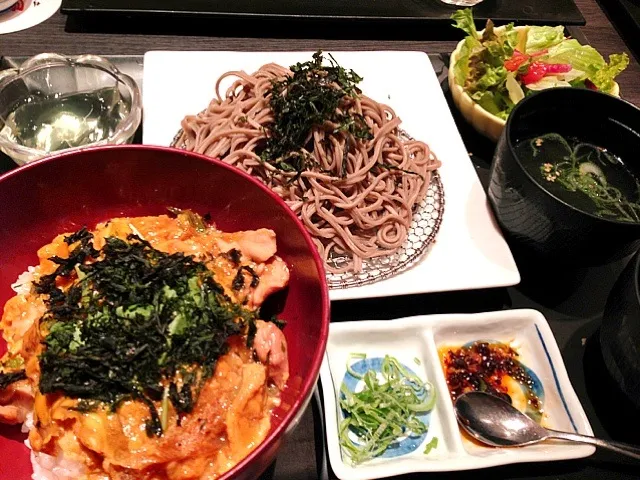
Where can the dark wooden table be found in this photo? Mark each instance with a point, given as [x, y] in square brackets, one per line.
[573, 301]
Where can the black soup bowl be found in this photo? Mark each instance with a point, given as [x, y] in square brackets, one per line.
[538, 222]
[620, 331]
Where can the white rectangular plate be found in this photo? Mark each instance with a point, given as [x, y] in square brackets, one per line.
[469, 251]
[419, 338]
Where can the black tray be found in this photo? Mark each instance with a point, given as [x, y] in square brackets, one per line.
[625, 15]
[423, 11]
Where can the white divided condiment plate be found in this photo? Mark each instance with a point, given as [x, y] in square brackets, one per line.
[469, 251]
[415, 341]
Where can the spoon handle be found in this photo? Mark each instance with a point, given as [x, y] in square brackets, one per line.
[623, 448]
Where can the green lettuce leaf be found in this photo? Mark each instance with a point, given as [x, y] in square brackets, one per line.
[588, 60]
[487, 101]
[480, 64]
[504, 40]
[511, 37]
[492, 77]
[464, 21]
[486, 61]
[539, 38]
[495, 103]
[498, 51]
[581, 57]
[461, 67]
[604, 77]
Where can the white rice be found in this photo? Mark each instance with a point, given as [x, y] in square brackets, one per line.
[22, 285]
[48, 467]
[28, 424]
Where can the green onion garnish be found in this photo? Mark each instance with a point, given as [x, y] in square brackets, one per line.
[350, 370]
[433, 443]
[383, 411]
[164, 418]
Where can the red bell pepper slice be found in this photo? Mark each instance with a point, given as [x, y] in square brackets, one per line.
[540, 53]
[590, 85]
[535, 72]
[553, 68]
[512, 64]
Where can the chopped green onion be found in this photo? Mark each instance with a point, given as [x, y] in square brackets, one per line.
[416, 360]
[13, 363]
[164, 418]
[79, 272]
[431, 445]
[383, 411]
[350, 370]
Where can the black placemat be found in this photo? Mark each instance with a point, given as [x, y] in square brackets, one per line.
[625, 15]
[425, 11]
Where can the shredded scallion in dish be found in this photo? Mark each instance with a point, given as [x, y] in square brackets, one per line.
[383, 411]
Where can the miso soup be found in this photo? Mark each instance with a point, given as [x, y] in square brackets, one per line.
[584, 175]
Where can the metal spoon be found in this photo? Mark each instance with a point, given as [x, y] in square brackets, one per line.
[495, 422]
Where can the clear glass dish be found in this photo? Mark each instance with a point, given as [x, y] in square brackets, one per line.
[6, 4]
[55, 103]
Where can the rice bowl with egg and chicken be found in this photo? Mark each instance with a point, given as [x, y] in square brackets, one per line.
[136, 350]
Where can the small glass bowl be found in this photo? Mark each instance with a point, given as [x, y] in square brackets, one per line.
[5, 5]
[55, 103]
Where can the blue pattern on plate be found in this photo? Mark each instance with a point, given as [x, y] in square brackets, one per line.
[536, 388]
[398, 448]
[555, 378]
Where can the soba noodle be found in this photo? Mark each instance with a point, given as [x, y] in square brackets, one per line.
[358, 199]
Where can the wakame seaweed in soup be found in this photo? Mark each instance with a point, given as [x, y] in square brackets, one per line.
[583, 175]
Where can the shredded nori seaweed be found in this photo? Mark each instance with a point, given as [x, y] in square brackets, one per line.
[7, 379]
[310, 98]
[238, 281]
[134, 321]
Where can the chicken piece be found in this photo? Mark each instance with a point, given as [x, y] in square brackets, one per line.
[274, 277]
[188, 468]
[57, 248]
[20, 314]
[248, 421]
[46, 431]
[271, 347]
[16, 401]
[259, 245]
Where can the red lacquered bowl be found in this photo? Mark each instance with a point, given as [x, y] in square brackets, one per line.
[64, 192]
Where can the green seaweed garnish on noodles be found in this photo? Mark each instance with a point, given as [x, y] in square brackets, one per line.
[315, 95]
